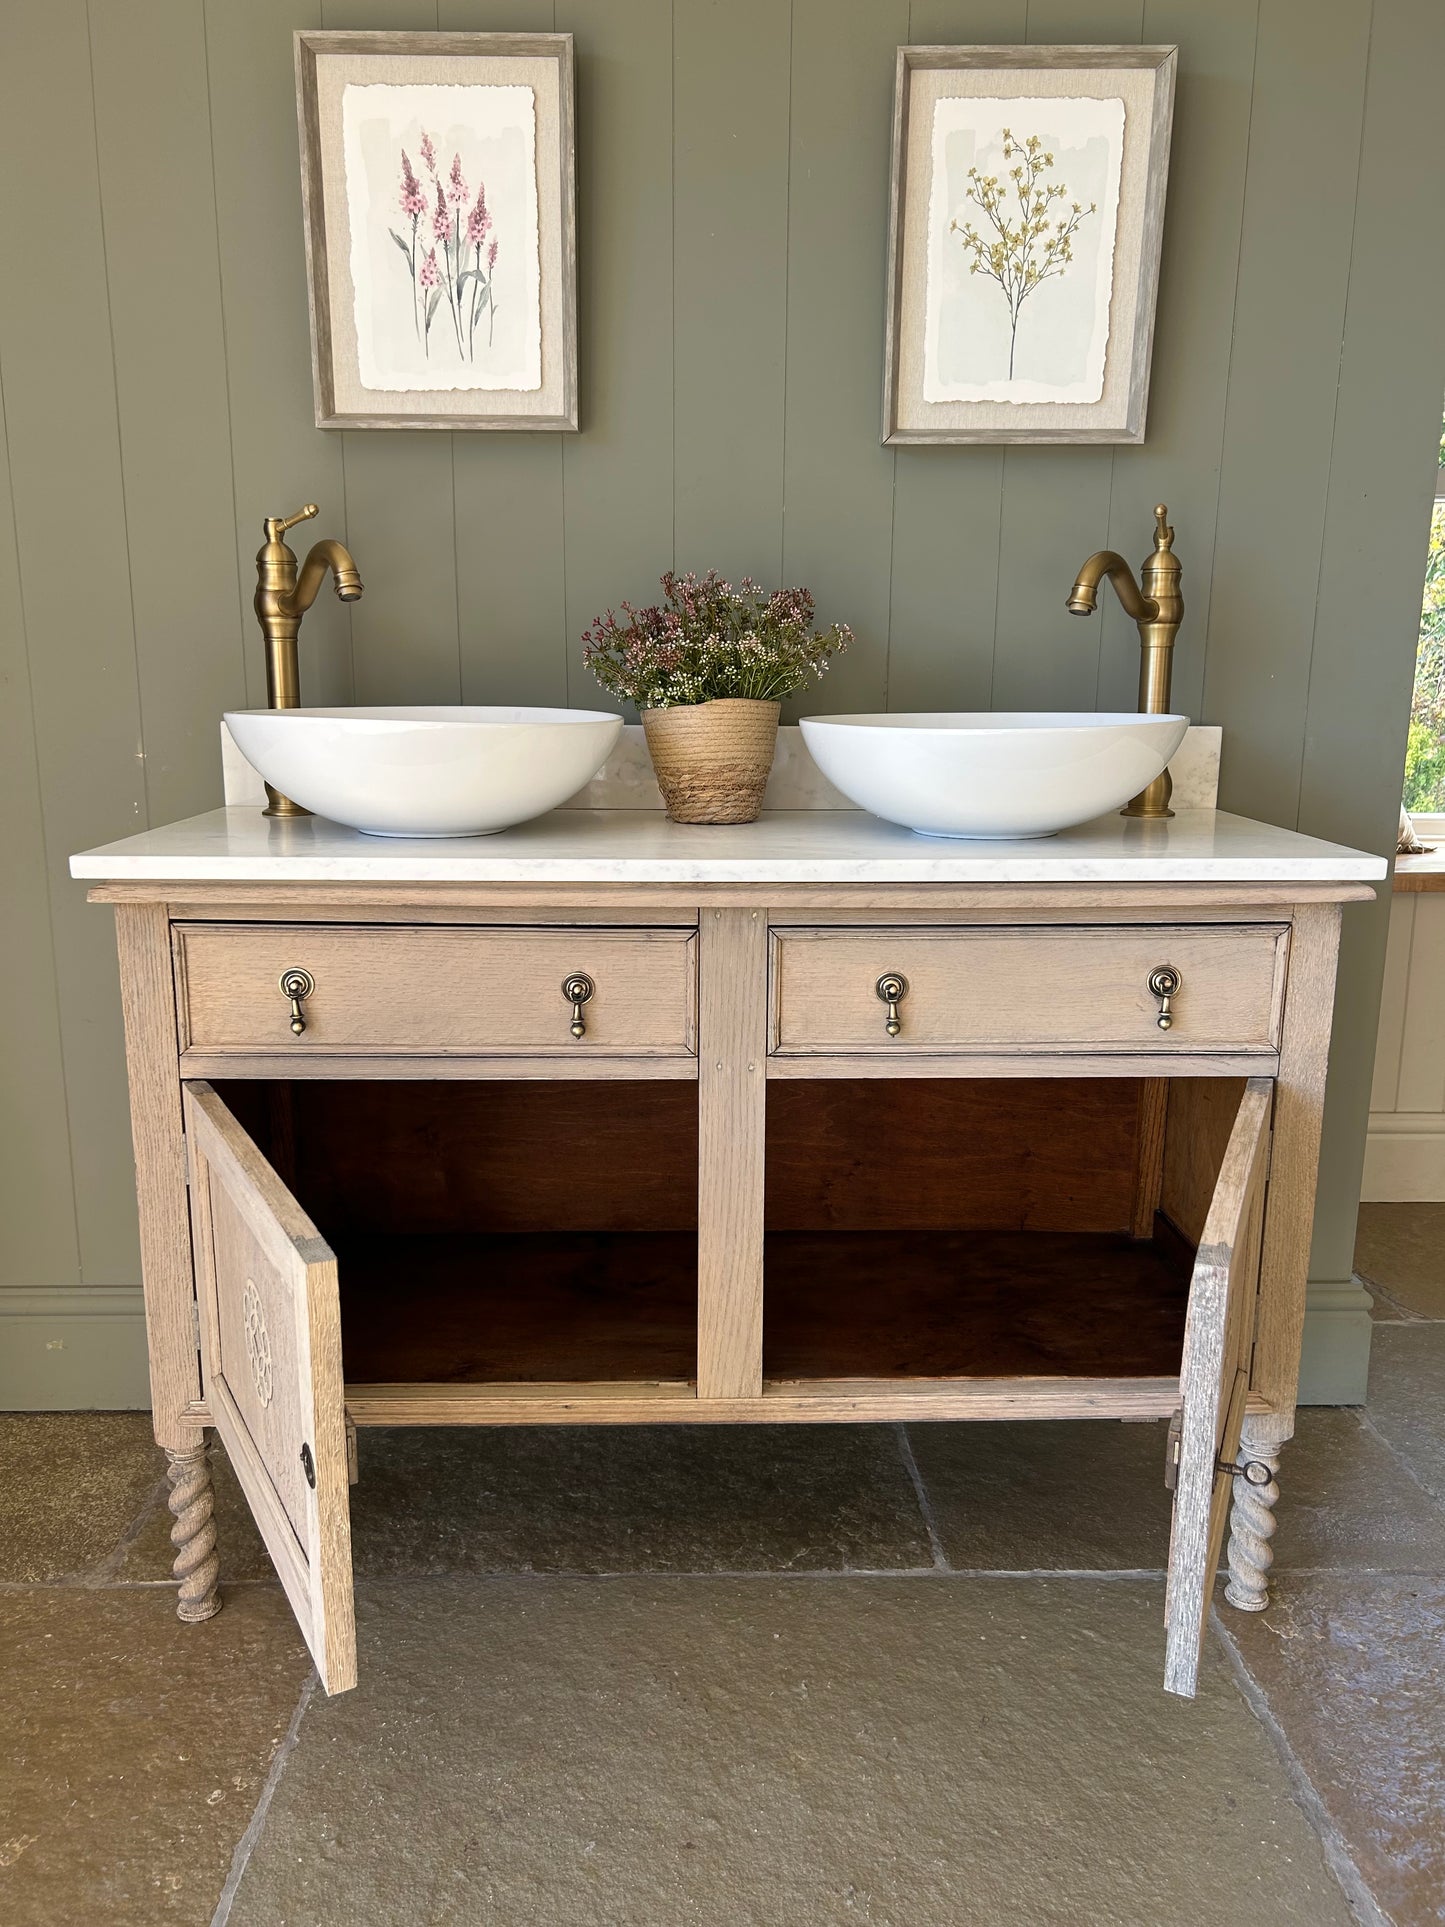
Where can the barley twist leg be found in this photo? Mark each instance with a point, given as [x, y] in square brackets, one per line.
[193, 1535]
[1252, 1524]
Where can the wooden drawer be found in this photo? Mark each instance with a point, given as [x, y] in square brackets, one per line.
[388, 991]
[1065, 987]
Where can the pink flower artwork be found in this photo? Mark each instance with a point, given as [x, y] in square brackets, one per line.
[466, 270]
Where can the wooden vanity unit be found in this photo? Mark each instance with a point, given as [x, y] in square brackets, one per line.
[608, 1121]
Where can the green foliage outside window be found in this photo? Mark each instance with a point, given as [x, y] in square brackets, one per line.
[1425, 750]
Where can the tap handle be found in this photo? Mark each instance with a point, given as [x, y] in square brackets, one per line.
[1163, 534]
[277, 525]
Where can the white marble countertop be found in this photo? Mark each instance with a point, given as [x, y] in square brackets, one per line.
[240, 845]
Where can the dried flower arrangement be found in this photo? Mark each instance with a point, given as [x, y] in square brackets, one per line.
[708, 640]
[707, 667]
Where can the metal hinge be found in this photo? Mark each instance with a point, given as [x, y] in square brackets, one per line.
[1252, 1471]
[353, 1456]
[195, 1322]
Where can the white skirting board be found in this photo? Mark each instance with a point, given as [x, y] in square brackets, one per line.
[1405, 1158]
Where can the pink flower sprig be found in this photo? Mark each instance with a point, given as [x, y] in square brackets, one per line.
[456, 185]
[428, 152]
[430, 275]
[413, 201]
[708, 640]
[479, 221]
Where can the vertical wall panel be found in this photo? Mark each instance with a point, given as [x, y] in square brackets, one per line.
[1390, 1037]
[507, 506]
[730, 282]
[37, 1199]
[399, 526]
[280, 459]
[618, 474]
[158, 205]
[838, 481]
[1422, 1066]
[947, 501]
[1056, 501]
[55, 349]
[1279, 421]
[1178, 463]
[404, 645]
[1376, 531]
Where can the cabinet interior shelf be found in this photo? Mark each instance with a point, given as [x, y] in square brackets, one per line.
[620, 1306]
[492, 1239]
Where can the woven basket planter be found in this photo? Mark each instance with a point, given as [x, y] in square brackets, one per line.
[712, 759]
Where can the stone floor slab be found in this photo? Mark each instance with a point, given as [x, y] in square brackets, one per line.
[611, 1499]
[1407, 1398]
[1348, 1503]
[71, 1486]
[635, 1499]
[133, 1750]
[1065, 1496]
[1350, 1668]
[1385, 1311]
[869, 1752]
[1401, 1248]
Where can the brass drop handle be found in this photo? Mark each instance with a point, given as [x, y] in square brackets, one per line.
[297, 986]
[578, 989]
[892, 989]
[1165, 982]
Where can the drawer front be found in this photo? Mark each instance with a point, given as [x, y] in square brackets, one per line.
[443, 990]
[1071, 987]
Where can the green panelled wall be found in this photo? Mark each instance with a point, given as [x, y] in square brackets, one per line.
[733, 173]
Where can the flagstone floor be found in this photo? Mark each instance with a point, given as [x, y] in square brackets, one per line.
[744, 1678]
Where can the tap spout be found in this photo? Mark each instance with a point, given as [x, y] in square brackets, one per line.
[1153, 601]
[328, 554]
[283, 595]
[1083, 597]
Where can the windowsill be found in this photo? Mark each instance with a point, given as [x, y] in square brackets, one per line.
[1425, 873]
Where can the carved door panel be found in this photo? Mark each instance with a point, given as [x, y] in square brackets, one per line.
[270, 1324]
[1214, 1381]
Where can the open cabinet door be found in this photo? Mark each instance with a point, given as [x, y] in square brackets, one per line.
[271, 1365]
[1214, 1381]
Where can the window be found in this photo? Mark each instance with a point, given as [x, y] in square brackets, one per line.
[1425, 751]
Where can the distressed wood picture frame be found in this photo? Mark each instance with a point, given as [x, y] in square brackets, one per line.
[1026, 216]
[438, 178]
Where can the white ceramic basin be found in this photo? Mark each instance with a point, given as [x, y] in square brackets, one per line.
[435, 771]
[991, 776]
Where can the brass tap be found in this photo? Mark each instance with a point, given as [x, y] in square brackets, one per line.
[1155, 604]
[282, 597]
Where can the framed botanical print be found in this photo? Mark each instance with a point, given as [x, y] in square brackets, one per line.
[1025, 223]
[438, 193]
